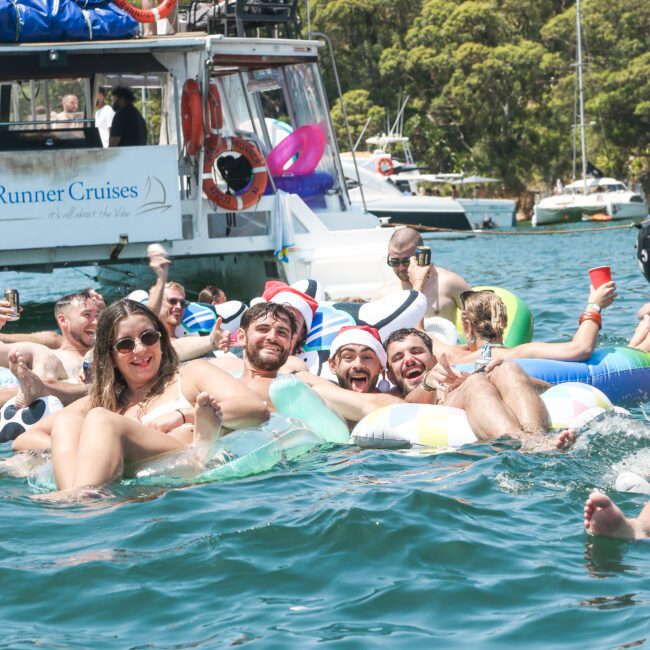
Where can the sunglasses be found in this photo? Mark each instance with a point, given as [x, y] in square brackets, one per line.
[178, 301]
[467, 294]
[128, 343]
[397, 261]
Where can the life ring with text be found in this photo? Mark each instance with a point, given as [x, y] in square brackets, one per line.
[192, 116]
[214, 115]
[147, 15]
[306, 143]
[385, 166]
[255, 189]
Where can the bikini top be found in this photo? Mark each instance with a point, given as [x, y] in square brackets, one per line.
[486, 349]
[181, 402]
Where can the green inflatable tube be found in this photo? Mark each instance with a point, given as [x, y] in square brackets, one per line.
[520, 319]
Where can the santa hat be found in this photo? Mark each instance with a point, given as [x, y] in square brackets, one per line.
[282, 293]
[359, 335]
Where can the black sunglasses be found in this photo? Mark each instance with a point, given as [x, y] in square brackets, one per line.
[178, 301]
[397, 261]
[127, 344]
[466, 294]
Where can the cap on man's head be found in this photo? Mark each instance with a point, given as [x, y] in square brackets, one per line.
[359, 335]
[282, 293]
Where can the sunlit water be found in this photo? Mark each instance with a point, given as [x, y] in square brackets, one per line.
[481, 547]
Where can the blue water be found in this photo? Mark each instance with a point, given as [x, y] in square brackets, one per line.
[482, 547]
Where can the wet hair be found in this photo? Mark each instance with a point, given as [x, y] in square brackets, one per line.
[264, 309]
[81, 297]
[486, 313]
[209, 294]
[108, 388]
[124, 92]
[402, 334]
[406, 236]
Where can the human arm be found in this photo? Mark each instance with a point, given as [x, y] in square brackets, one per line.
[159, 263]
[52, 340]
[581, 346]
[351, 405]
[641, 337]
[192, 347]
[240, 406]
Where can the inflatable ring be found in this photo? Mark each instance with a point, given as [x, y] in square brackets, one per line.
[192, 117]
[385, 166]
[14, 421]
[147, 15]
[426, 425]
[200, 318]
[643, 248]
[214, 115]
[256, 188]
[519, 328]
[307, 143]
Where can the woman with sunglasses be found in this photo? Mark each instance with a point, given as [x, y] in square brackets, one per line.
[140, 403]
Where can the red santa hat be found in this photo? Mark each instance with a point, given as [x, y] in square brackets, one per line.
[359, 335]
[282, 293]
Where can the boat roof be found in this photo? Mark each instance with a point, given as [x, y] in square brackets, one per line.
[594, 182]
[79, 58]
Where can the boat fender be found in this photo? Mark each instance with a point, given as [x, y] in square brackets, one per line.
[385, 166]
[14, 421]
[307, 143]
[519, 328]
[256, 187]
[404, 425]
[292, 397]
[147, 15]
[192, 117]
[214, 114]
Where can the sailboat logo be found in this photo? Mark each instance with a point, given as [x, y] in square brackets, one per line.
[155, 196]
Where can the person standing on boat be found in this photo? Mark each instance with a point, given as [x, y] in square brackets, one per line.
[128, 128]
[441, 287]
[70, 112]
[103, 117]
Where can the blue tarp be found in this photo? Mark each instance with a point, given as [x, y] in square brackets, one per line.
[32, 21]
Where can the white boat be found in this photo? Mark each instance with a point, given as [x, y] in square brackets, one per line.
[445, 217]
[594, 198]
[66, 201]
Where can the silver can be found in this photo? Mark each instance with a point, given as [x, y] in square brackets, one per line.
[13, 298]
[423, 255]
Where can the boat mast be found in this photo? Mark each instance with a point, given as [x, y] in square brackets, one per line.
[583, 145]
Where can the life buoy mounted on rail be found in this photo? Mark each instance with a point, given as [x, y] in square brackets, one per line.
[147, 15]
[385, 166]
[214, 115]
[192, 116]
[251, 153]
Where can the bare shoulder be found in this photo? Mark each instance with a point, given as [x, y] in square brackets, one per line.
[390, 286]
[452, 279]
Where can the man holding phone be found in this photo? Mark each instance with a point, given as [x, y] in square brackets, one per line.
[441, 287]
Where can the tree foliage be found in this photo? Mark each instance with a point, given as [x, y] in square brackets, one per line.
[491, 83]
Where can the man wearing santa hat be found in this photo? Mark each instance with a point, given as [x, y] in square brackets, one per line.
[358, 359]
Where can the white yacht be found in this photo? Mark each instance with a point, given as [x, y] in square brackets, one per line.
[67, 201]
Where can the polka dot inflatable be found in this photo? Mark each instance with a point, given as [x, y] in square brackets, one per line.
[15, 421]
[403, 425]
[574, 404]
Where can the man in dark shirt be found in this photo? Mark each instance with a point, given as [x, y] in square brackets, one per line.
[128, 128]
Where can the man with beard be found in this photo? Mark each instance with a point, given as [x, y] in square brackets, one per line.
[441, 287]
[42, 371]
[357, 358]
[501, 401]
[266, 334]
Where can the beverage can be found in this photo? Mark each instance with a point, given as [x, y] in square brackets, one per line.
[13, 298]
[423, 255]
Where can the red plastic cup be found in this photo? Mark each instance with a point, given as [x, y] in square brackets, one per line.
[600, 275]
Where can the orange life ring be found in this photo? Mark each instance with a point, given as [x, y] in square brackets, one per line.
[192, 117]
[385, 166]
[214, 116]
[249, 150]
[147, 15]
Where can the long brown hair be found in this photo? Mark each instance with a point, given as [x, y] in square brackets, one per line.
[487, 315]
[108, 387]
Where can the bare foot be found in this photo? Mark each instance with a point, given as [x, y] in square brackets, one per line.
[566, 439]
[31, 386]
[207, 419]
[604, 517]
[75, 495]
